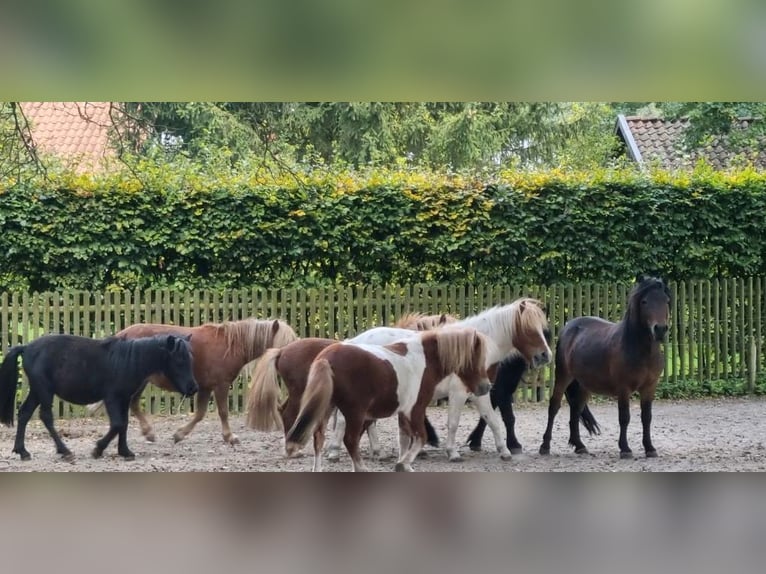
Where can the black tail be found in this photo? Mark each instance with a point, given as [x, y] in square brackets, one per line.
[9, 380]
[586, 417]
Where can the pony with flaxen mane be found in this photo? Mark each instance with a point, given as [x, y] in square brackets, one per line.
[368, 382]
[221, 351]
[517, 329]
[422, 322]
[290, 365]
[613, 359]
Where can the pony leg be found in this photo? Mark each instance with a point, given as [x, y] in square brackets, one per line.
[118, 426]
[351, 438]
[146, 428]
[646, 422]
[46, 415]
[553, 408]
[319, 436]
[484, 406]
[372, 434]
[221, 393]
[203, 396]
[576, 407]
[336, 437]
[474, 439]
[26, 410]
[457, 398]
[623, 409]
[417, 435]
[122, 435]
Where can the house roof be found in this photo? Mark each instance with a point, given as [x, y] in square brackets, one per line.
[656, 141]
[75, 132]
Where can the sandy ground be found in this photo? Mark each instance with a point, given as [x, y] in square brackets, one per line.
[706, 435]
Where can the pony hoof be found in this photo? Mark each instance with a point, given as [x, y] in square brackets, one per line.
[130, 456]
[626, 455]
[433, 443]
[25, 456]
[545, 450]
[400, 467]
[456, 458]
[69, 457]
[475, 447]
[516, 450]
[651, 454]
[505, 456]
[422, 454]
[97, 453]
[150, 437]
[178, 438]
[334, 457]
[581, 450]
[233, 440]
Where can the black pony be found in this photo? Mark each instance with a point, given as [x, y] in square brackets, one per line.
[507, 380]
[81, 370]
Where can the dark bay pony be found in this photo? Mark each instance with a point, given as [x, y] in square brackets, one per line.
[369, 382]
[220, 350]
[81, 370]
[614, 359]
[507, 380]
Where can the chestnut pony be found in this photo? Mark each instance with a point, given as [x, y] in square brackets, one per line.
[220, 350]
[614, 359]
[369, 382]
[291, 364]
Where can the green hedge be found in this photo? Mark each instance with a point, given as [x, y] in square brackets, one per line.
[240, 231]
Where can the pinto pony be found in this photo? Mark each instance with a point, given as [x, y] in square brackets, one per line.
[518, 329]
[368, 382]
[614, 359]
[81, 370]
[220, 350]
[291, 364]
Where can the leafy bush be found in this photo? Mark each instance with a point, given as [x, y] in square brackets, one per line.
[192, 229]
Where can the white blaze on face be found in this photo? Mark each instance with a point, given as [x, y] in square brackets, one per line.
[409, 369]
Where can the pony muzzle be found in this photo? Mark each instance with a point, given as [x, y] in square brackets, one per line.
[660, 332]
[541, 359]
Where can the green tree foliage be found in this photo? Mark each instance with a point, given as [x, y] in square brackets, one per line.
[458, 135]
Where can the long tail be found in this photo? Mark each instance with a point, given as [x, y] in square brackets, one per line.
[315, 406]
[586, 417]
[263, 399]
[9, 380]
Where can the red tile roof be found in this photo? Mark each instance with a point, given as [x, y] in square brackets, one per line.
[74, 132]
[655, 141]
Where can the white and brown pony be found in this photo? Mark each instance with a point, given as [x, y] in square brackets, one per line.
[290, 365]
[369, 382]
[220, 351]
[516, 329]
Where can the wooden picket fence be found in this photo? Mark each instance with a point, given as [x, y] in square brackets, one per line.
[716, 331]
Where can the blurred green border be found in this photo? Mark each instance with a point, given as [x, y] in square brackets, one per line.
[344, 50]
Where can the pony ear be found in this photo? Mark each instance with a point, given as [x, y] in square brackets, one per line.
[443, 319]
[275, 327]
[641, 277]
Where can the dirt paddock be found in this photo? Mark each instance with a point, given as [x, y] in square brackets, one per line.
[705, 435]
